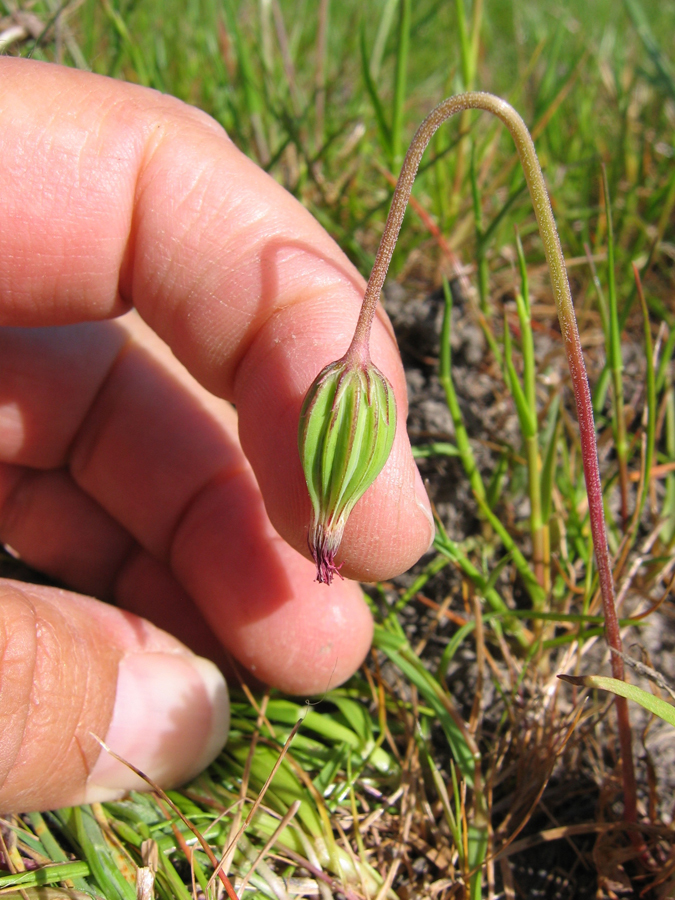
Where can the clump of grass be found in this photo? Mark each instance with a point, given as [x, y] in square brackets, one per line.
[438, 754]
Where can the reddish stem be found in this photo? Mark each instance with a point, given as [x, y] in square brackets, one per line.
[570, 334]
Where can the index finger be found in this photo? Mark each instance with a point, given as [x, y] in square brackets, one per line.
[113, 195]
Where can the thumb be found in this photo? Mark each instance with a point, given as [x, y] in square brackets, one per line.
[72, 667]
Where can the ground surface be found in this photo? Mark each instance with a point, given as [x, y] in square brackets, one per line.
[583, 786]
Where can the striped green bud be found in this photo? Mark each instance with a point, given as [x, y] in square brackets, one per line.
[347, 427]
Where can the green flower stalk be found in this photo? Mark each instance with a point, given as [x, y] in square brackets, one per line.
[347, 427]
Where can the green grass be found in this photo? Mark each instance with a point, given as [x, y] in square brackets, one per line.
[398, 766]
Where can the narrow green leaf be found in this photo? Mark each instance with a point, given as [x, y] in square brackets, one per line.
[551, 436]
[498, 569]
[433, 693]
[87, 832]
[445, 377]
[464, 45]
[668, 507]
[534, 589]
[481, 245]
[47, 875]
[402, 47]
[325, 780]
[515, 195]
[453, 646]
[477, 839]
[252, 96]
[496, 484]
[130, 45]
[168, 871]
[47, 839]
[524, 279]
[451, 549]
[437, 449]
[528, 421]
[648, 701]
[526, 336]
[382, 124]
[358, 718]
[287, 712]
[651, 393]
[442, 792]
[383, 29]
[615, 358]
[664, 361]
[429, 571]
[641, 24]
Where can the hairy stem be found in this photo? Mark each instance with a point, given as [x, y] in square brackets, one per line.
[572, 343]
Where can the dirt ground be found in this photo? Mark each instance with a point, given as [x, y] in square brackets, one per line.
[585, 785]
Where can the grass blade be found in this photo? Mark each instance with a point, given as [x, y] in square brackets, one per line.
[402, 48]
[371, 88]
[551, 437]
[383, 29]
[641, 24]
[70, 871]
[615, 360]
[648, 701]
[451, 549]
[650, 403]
[88, 835]
[668, 509]
[534, 588]
[445, 378]
[397, 649]
[252, 97]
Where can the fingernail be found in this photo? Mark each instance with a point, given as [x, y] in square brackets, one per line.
[12, 430]
[424, 505]
[170, 720]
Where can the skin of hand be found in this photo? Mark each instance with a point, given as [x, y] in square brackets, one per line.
[151, 275]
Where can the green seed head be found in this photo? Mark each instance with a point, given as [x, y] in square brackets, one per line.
[347, 427]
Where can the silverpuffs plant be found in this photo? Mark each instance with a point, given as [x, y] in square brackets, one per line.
[348, 417]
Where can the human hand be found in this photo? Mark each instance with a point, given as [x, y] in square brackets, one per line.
[121, 470]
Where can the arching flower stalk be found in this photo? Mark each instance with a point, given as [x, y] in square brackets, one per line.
[349, 417]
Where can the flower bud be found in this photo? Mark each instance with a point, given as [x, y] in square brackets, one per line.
[347, 427]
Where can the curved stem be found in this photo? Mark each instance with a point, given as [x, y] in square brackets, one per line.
[572, 343]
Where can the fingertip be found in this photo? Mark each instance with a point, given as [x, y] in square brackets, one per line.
[392, 525]
[170, 720]
[424, 505]
[71, 668]
[322, 639]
